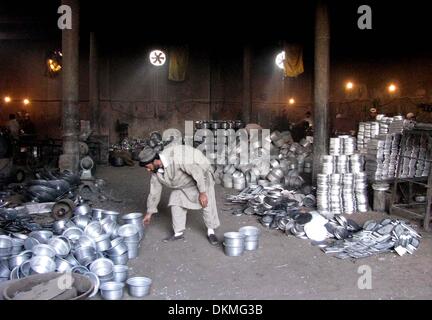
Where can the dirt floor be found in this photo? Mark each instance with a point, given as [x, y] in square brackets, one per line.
[284, 267]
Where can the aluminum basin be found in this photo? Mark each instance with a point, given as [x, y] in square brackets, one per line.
[139, 286]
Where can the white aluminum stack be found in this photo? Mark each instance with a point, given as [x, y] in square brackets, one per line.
[341, 186]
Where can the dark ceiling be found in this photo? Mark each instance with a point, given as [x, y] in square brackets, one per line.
[399, 28]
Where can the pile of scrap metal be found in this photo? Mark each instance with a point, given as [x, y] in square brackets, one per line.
[24, 207]
[128, 150]
[292, 213]
[375, 238]
[91, 242]
[288, 160]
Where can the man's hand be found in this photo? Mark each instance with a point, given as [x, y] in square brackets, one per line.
[203, 200]
[147, 218]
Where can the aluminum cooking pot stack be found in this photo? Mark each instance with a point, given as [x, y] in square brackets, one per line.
[136, 219]
[234, 244]
[251, 241]
[336, 147]
[239, 180]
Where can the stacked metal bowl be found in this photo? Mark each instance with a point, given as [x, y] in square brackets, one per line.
[360, 189]
[327, 164]
[336, 146]
[341, 186]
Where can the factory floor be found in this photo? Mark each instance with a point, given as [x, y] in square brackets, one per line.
[284, 267]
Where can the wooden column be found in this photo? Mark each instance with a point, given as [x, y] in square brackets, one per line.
[69, 160]
[248, 115]
[94, 84]
[321, 85]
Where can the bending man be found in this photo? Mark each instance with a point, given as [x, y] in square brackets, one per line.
[189, 173]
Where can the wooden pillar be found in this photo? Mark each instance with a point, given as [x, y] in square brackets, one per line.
[321, 85]
[69, 160]
[248, 115]
[94, 84]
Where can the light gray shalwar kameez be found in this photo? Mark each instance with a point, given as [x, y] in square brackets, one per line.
[188, 172]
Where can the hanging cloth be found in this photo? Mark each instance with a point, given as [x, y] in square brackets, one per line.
[178, 61]
[293, 63]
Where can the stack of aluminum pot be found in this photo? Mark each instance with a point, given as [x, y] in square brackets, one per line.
[287, 161]
[341, 185]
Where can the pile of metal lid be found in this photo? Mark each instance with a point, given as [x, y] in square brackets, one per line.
[92, 243]
[341, 185]
[382, 157]
[375, 238]
[416, 162]
[366, 132]
[287, 161]
[271, 203]
[286, 211]
[380, 142]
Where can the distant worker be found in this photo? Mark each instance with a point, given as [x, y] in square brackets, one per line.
[411, 116]
[28, 126]
[308, 118]
[13, 126]
[372, 114]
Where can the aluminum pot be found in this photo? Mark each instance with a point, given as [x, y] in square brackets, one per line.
[252, 237]
[94, 229]
[97, 214]
[14, 274]
[133, 218]
[62, 265]
[103, 242]
[86, 241]
[19, 236]
[113, 215]
[133, 249]
[235, 239]
[233, 251]
[118, 247]
[43, 250]
[82, 210]
[129, 232]
[42, 264]
[82, 221]
[24, 269]
[110, 228]
[121, 259]
[73, 234]
[85, 255]
[103, 268]
[139, 287]
[4, 270]
[42, 236]
[59, 226]
[120, 273]
[61, 246]
[112, 290]
[19, 259]
[17, 246]
[72, 261]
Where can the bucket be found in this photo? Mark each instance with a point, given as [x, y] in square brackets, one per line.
[232, 251]
[251, 241]
[234, 239]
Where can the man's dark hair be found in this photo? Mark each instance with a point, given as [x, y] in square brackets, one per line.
[12, 116]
